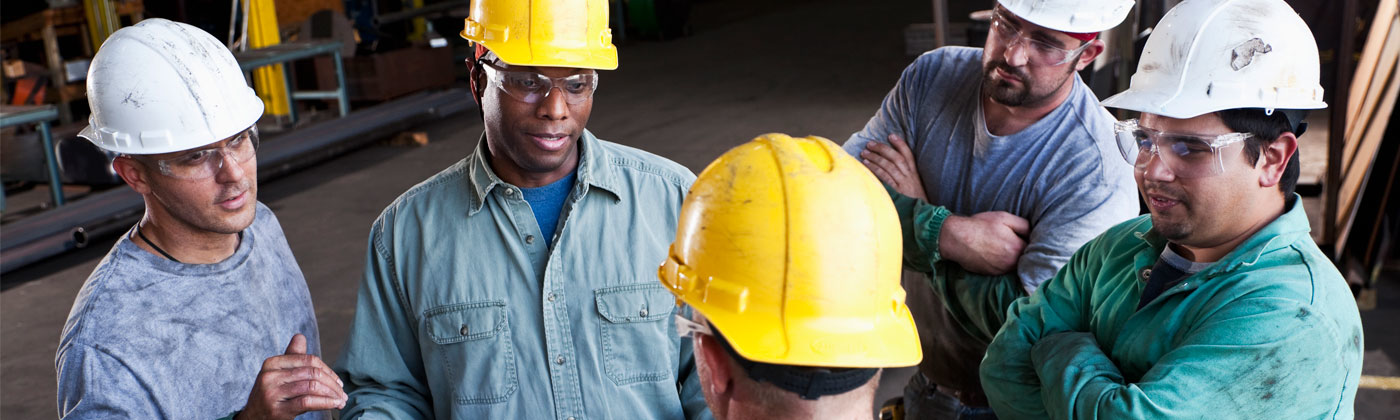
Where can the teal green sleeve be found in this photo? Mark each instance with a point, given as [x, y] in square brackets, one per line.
[380, 362]
[1258, 357]
[1009, 376]
[976, 302]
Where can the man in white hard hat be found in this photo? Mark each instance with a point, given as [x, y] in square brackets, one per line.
[789, 323]
[199, 311]
[1218, 304]
[1002, 163]
[520, 283]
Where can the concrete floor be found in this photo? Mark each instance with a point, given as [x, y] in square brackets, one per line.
[807, 67]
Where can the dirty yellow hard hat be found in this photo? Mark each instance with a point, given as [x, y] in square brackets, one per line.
[547, 33]
[792, 249]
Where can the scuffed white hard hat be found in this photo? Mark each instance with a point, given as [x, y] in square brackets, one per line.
[162, 86]
[1212, 55]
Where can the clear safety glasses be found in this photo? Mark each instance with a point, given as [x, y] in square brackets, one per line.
[687, 328]
[530, 87]
[1038, 52]
[204, 163]
[1187, 156]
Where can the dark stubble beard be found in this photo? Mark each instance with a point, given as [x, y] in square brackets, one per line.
[1008, 94]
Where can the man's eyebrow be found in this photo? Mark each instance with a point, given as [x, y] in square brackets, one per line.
[1042, 36]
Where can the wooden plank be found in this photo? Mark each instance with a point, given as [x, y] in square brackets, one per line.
[1370, 55]
[1355, 177]
[1386, 56]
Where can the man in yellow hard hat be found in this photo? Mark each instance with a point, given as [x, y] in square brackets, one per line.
[519, 283]
[794, 315]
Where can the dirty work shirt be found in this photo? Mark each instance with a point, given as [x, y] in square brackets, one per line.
[546, 202]
[466, 312]
[150, 338]
[1268, 332]
[1063, 174]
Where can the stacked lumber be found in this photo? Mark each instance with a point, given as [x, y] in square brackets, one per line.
[1371, 101]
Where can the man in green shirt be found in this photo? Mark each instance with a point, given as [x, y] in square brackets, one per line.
[1218, 304]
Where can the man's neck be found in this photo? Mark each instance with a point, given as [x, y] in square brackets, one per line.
[183, 243]
[1003, 120]
[1216, 252]
[842, 410]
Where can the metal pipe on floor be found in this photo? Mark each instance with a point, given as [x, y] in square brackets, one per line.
[90, 219]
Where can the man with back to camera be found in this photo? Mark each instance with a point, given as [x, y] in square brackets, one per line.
[190, 314]
[794, 316]
[1218, 304]
[1009, 167]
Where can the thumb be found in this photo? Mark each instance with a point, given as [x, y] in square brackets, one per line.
[1017, 224]
[298, 345]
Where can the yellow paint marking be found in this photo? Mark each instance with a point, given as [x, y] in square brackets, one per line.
[1384, 383]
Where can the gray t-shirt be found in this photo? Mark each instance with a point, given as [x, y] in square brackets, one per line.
[1064, 174]
[151, 338]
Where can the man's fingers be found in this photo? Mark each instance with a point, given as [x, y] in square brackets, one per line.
[307, 403]
[289, 361]
[897, 163]
[876, 159]
[903, 148]
[297, 346]
[322, 386]
[880, 173]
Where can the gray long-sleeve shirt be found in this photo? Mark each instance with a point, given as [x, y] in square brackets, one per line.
[150, 338]
[1064, 174]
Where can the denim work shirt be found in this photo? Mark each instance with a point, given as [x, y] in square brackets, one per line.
[467, 311]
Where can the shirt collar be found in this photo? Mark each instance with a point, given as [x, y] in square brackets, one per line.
[595, 169]
[1278, 234]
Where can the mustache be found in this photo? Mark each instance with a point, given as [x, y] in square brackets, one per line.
[1001, 64]
[1165, 190]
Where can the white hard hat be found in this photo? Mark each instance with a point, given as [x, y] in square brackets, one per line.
[1212, 55]
[1077, 16]
[163, 86]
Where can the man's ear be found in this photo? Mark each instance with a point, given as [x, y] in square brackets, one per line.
[1273, 159]
[476, 80]
[720, 373]
[133, 172]
[1090, 53]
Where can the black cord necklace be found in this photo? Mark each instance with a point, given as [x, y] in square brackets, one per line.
[153, 245]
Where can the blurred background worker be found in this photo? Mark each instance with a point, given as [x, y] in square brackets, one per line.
[794, 314]
[1218, 304]
[515, 284]
[1009, 166]
[190, 313]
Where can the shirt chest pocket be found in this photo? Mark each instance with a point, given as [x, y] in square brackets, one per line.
[471, 343]
[638, 342]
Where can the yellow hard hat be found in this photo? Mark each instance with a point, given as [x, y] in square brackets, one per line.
[792, 249]
[547, 33]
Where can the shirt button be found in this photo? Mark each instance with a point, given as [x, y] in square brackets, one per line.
[570, 418]
[529, 239]
[551, 297]
[464, 329]
[559, 360]
[643, 313]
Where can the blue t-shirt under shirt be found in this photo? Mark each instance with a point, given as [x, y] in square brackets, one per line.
[547, 202]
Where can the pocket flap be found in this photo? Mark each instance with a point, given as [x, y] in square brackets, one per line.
[642, 302]
[465, 321]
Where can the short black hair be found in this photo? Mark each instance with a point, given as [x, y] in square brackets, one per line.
[1265, 127]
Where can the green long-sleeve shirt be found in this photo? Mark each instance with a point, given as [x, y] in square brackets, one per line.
[1270, 331]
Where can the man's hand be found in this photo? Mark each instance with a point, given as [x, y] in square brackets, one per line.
[987, 243]
[291, 384]
[895, 166]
